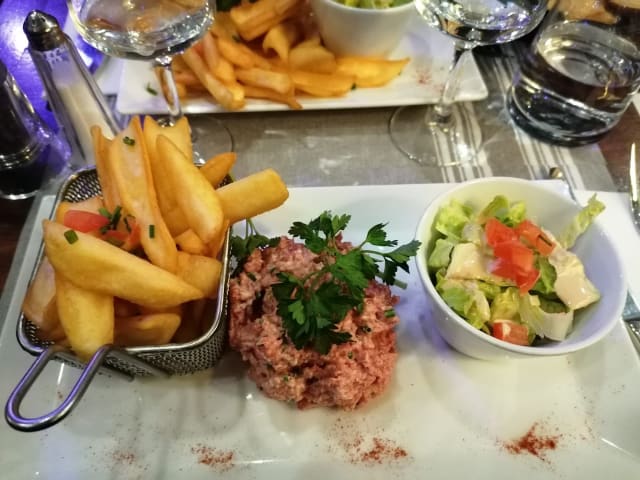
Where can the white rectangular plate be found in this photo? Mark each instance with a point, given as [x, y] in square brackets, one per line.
[420, 82]
[453, 416]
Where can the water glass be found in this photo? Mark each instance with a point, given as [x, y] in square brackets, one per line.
[580, 73]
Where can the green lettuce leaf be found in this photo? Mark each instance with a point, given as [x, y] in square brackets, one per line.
[441, 254]
[547, 277]
[500, 208]
[452, 218]
[552, 325]
[467, 300]
[506, 305]
[581, 222]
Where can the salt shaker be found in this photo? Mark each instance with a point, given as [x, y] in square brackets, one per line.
[74, 96]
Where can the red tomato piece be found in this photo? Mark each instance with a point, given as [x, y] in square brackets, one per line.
[511, 332]
[497, 232]
[516, 254]
[133, 240]
[526, 282]
[535, 237]
[115, 237]
[84, 222]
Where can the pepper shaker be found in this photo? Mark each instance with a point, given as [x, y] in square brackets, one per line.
[29, 152]
[74, 96]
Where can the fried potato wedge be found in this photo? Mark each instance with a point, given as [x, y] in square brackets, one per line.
[150, 329]
[279, 82]
[312, 58]
[266, 94]
[104, 268]
[196, 197]
[39, 305]
[131, 169]
[252, 195]
[322, 84]
[101, 145]
[370, 72]
[191, 243]
[75, 306]
[217, 168]
[200, 271]
[281, 38]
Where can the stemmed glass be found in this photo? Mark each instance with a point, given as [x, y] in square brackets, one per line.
[432, 134]
[149, 30]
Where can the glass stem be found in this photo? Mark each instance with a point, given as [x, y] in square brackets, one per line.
[169, 89]
[443, 108]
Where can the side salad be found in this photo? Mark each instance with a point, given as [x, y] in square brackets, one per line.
[507, 276]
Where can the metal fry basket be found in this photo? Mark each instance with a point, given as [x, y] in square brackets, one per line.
[163, 360]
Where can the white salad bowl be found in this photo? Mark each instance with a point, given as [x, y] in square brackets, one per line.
[358, 31]
[552, 211]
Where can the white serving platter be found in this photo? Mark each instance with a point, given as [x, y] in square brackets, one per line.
[420, 82]
[453, 416]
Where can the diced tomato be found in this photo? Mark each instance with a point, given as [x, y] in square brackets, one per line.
[84, 221]
[133, 240]
[115, 237]
[497, 232]
[526, 282]
[517, 255]
[535, 237]
[511, 332]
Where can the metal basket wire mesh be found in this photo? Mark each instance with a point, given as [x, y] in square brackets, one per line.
[198, 354]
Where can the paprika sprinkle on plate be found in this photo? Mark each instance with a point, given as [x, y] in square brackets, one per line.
[532, 443]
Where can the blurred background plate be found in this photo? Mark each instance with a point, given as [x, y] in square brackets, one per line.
[420, 82]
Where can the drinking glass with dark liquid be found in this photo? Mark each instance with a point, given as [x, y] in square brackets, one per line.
[580, 73]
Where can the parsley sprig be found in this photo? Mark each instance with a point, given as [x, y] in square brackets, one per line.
[312, 306]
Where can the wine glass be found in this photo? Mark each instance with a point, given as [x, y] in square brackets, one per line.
[434, 134]
[149, 30]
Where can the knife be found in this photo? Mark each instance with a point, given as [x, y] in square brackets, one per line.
[631, 312]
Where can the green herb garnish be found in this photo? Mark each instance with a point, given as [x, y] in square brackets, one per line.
[71, 236]
[152, 231]
[150, 89]
[312, 306]
[390, 313]
[129, 141]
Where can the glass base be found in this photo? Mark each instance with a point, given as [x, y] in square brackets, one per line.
[423, 136]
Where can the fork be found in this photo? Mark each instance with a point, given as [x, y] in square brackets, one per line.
[631, 312]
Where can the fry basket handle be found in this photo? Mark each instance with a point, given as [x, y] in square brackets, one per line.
[12, 409]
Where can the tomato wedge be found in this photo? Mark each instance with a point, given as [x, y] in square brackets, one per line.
[535, 237]
[84, 222]
[510, 331]
[519, 256]
[497, 232]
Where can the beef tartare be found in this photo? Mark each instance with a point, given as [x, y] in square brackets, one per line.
[349, 375]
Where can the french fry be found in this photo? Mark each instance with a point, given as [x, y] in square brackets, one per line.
[191, 324]
[277, 81]
[101, 145]
[280, 39]
[214, 86]
[224, 26]
[129, 164]
[182, 90]
[217, 168]
[149, 329]
[99, 266]
[370, 72]
[235, 53]
[215, 247]
[122, 308]
[255, 19]
[39, 304]
[194, 194]
[200, 271]
[211, 53]
[252, 195]
[75, 306]
[176, 221]
[312, 58]
[225, 72]
[191, 243]
[180, 135]
[267, 94]
[322, 84]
